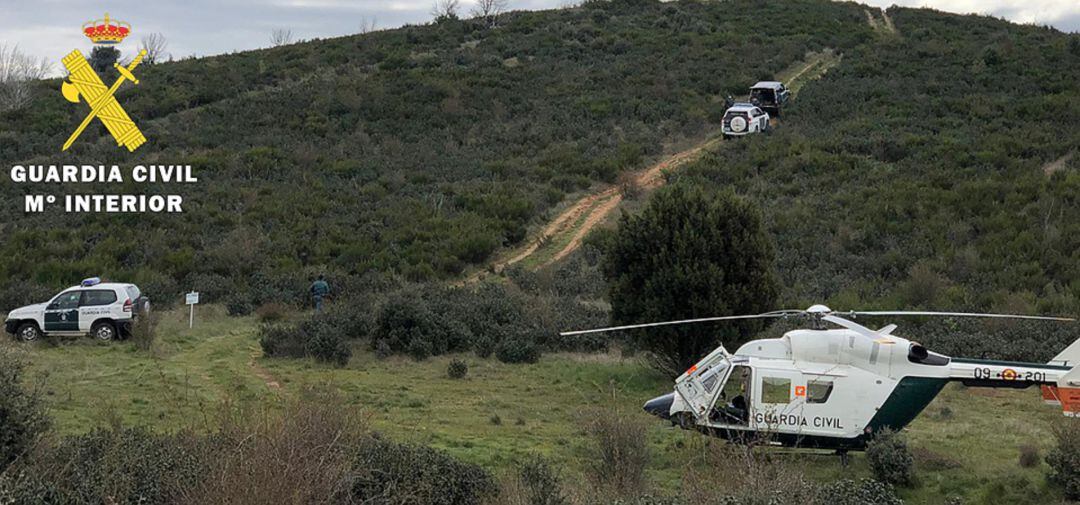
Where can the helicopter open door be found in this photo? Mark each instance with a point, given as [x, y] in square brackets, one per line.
[700, 384]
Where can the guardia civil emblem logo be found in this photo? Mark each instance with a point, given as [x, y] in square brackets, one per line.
[84, 85]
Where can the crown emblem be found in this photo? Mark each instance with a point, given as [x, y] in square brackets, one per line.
[106, 31]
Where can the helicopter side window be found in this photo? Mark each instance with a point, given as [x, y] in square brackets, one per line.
[818, 391]
[775, 390]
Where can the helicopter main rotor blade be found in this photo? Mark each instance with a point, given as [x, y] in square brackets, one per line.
[779, 313]
[951, 314]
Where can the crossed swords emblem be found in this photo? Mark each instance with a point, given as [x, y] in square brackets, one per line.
[85, 84]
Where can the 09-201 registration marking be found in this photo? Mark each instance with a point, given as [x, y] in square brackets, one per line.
[1008, 374]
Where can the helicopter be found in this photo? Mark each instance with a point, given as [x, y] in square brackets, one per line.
[835, 388]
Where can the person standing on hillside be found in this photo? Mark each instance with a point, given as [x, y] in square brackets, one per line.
[319, 290]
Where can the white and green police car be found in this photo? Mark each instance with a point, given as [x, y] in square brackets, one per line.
[102, 310]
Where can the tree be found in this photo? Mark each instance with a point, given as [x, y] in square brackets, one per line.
[154, 44]
[690, 254]
[280, 37]
[102, 58]
[489, 11]
[445, 10]
[17, 73]
[368, 25]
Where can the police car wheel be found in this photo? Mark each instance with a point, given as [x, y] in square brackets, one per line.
[103, 331]
[29, 332]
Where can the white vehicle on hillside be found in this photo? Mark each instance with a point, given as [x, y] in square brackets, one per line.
[744, 119]
[105, 311]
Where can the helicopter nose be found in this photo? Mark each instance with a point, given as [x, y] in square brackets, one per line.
[660, 406]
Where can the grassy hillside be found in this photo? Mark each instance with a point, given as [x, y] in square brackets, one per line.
[932, 168]
[418, 151]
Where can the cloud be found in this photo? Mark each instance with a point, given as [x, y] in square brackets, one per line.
[1061, 14]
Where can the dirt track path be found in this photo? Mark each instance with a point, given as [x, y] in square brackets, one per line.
[885, 26]
[1057, 165]
[565, 233]
[261, 372]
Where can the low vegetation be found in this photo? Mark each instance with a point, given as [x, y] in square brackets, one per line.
[22, 411]
[514, 323]
[890, 459]
[316, 450]
[1064, 458]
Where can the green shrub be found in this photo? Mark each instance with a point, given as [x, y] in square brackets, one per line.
[1064, 458]
[620, 451]
[517, 350]
[540, 482]
[860, 492]
[144, 331]
[325, 340]
[457, 369]
[116, 465]
[484, 345]
[889, 458]
[22, 411]
[272, 312]
[282, 341]
[1029, 456]
[238, 306]
[388, 472]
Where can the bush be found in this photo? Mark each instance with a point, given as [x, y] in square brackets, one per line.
[114, 465]
[860, 492]
[272, 312]
[889, 458]
[144, 331]
[282, 341]
[305, 454]
[22, 411]
[238, 306]
[457, 369]
[328, 347]
[1029, 456]
[392, 473]
[517, 350]
[316, 450]
[620, 451]
[324, 337]
[540, 483]
[1064, 458]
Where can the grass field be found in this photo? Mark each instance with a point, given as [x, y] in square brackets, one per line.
[966, 443]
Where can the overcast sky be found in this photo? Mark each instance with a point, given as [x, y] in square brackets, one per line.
[51, 28]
